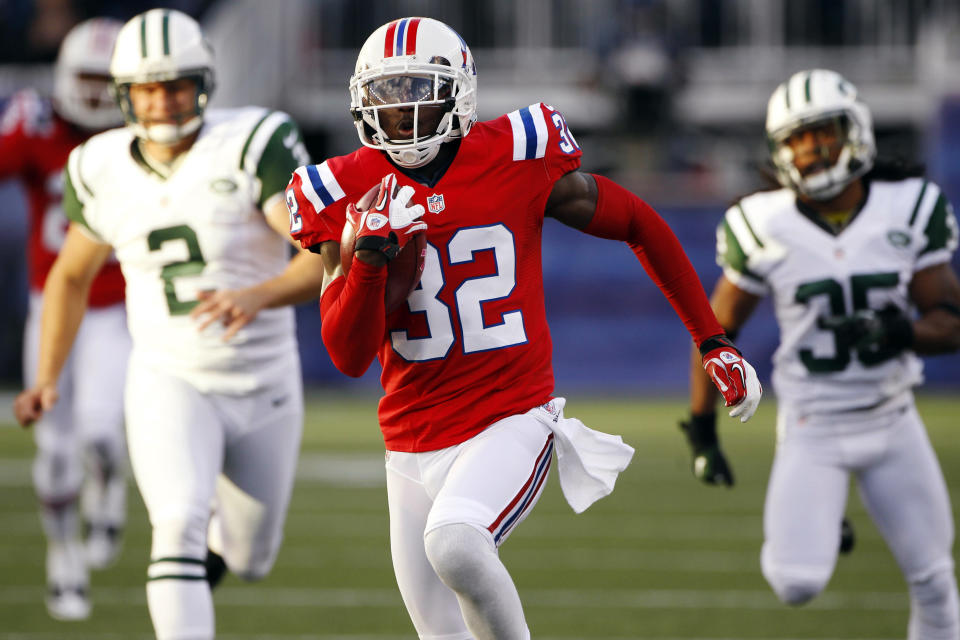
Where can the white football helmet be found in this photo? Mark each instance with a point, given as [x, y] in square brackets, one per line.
[813, 97]
[158, 46]
[81, 76]
[414, 63]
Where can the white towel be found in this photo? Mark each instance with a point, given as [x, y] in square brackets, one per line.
[588, 461]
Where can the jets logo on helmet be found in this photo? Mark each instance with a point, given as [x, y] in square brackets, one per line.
[159, 46]
[818, 97]
[81, 76]
[414, 64]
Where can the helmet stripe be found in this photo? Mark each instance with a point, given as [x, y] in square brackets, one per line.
[400, 29]
[806, 86]
[143, 36]
[412, 37]
[786, 93]
[166, 33]
[388, 41]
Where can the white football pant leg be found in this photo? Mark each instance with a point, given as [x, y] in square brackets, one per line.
[100, 355]
[260, 460]
[433, 608]
[806, 497]
[906, 496]
[57, 479]
[176, 442]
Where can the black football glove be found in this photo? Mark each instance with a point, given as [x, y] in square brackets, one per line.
[710, 466]
[889, 329]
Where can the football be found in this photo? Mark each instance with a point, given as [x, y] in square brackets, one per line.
[403, 272]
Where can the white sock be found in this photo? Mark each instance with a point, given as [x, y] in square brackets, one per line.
[934, 608]
[467, 562]
[181, 609]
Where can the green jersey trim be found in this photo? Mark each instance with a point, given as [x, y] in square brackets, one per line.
[941, 229]
[916, 207]
[272, 152]
[730, 253]
[746, 222]
[72, 206]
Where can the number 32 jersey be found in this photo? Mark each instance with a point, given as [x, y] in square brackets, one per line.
[765, 244]
[201, 227]
[471, 345]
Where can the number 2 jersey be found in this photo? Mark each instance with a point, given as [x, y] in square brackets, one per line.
[34, 145]
[471, 346]
[765, 244]
[201, 227]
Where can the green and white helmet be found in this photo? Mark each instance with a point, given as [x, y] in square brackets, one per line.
[812, 97]
[158, 46]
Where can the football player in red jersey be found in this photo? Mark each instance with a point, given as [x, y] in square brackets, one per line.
[36, 136]
[469, 415]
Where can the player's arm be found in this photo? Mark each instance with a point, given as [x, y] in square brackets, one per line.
[600, 207]
[352, 307]
[301, 281]
[936, 293]
[732, 306]
[64, 304]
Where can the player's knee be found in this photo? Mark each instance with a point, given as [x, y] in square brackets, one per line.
[57, 475]
[796, 587]
[935, 603]
[180, 537]
[251, 561]
[458, 553]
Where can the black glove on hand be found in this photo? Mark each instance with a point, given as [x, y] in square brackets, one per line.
[709, 464]
[889, 329]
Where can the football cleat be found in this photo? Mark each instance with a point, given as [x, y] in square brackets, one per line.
[68, 603]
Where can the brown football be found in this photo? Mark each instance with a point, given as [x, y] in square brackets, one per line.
[403, 272]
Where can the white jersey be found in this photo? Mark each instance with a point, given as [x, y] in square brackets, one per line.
[200, 228]
[766, 244]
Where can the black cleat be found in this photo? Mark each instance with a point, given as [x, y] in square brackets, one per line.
[847, 537]
[216, 568]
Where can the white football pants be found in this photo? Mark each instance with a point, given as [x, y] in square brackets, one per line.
[85, 427]
[900, 483]
[489, 483]
[194, 452]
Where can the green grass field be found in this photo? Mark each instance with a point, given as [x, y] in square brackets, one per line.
[663, 557]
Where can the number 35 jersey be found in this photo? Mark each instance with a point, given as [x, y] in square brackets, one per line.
[765, 244]
[201, 227]
[471, 345]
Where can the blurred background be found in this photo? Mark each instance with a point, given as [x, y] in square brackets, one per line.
[667, 98]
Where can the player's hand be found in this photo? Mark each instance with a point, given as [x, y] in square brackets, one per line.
[31, 404]
[234, 308]
[889, 328]
[734, 377]
[389, 221]
[709, 464]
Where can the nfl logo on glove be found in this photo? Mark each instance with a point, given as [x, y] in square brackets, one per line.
[435, 203]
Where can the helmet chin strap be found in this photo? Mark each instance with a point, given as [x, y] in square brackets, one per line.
[168, 133]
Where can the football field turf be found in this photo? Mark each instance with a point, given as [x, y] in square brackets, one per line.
[662, 557]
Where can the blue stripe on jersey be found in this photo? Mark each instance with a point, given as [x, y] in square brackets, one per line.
[318, 186]
[400, 29]
[531, 133]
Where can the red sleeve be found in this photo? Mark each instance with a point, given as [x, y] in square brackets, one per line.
[353, 317]
[620, 215]
[562, 154]
[14, 147]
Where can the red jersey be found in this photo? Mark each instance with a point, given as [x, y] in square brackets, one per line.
[471, 346]
[34, 145]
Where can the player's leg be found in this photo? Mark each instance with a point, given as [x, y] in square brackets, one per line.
[906, 496]
[57, 478]
[176, 450]
[260, 459]
[806, 496]
[491, 486]
[433, 608]
[100, 354]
